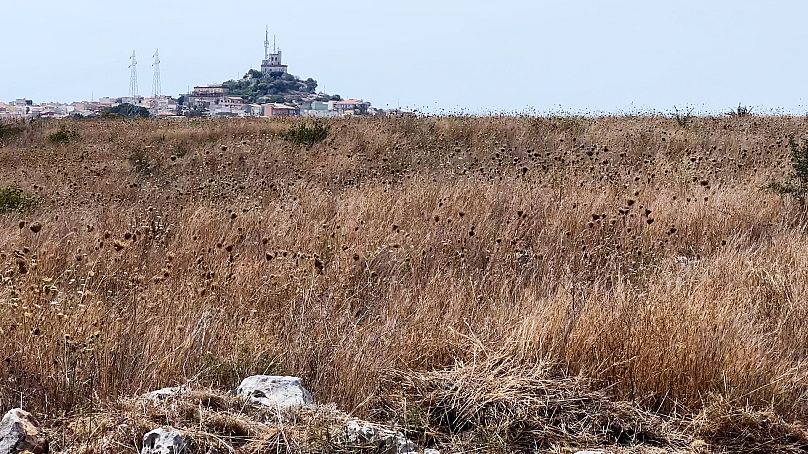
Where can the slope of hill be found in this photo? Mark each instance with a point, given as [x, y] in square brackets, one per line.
[278, 87]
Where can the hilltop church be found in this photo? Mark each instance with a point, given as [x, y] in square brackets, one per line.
[272, 61]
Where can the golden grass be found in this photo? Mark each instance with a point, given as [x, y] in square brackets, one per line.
[632, 251]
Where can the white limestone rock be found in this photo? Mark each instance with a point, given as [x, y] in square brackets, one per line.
[165, 393]
[385, 440]
[19, 432]
[164, 441]
[282, 393]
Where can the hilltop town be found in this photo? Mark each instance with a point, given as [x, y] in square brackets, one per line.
[269, 92]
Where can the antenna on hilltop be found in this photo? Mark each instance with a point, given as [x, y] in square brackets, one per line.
[266, 45]
[156, 81]
[133, 90]
[274, 45]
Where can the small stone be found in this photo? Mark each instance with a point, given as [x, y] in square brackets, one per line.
[35, 227]
[19, 433]
[164, 393]
[164, 441]
[277, 392]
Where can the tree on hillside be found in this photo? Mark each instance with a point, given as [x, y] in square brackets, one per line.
[283, 86]
[311, 85]
[254, 74]
[126, 110]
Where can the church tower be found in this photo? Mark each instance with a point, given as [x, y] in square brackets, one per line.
[272, 60]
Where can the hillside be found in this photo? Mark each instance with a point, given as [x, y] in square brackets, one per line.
[483, 284]
[276, 87]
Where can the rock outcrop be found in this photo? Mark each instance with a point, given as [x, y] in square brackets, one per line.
[278, 401]
[164, 441]
[384, 440]
[19, 432]
[282, 393]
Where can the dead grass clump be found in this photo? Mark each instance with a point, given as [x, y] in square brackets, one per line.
[120, 426]
[496, 403]
[210, 421]
[143, 162]
[739, 429]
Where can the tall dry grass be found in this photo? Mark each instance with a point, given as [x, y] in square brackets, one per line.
[643, 255]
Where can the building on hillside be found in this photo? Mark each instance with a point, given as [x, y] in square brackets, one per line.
[319, 109]
[255, 110]
[209, 91]
[280, 110]
[206, 96]
[272, 62]
[162, 106]
[134, 100]
[349, 107]
[229, 106]
[233, 102]
[319, 105]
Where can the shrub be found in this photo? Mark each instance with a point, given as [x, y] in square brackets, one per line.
[62, 136]
[683, 119]
[797, 187]
[13, 199]
[9, 130]
[307, 134]
[126, 110]
[740, 111]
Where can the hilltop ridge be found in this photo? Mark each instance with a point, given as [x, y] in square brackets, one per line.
[258, 87]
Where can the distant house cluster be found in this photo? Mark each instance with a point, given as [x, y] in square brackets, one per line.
[215, 101]
[25, 108]
[209, 100]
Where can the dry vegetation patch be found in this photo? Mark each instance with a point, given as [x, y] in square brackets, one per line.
[645, 261]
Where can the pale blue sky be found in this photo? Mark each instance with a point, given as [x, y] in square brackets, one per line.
[505, 55]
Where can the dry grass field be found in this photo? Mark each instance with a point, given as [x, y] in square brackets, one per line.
[446, 273]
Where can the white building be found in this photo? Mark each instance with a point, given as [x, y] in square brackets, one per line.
[273, 62]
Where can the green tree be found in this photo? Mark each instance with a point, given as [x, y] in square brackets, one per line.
[254, 74]
[311, 85]
[126, 110]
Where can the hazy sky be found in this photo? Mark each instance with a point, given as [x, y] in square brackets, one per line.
[504, 55]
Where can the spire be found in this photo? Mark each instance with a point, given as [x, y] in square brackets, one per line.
[266, 44]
